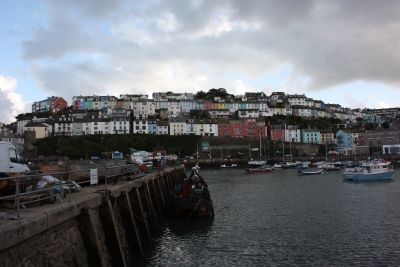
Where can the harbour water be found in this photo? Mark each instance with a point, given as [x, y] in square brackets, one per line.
[282, 219]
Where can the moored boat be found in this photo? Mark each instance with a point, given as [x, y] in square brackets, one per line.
[233, 165]
[311, 172]
[263, 168]
[303, 166]
[257, 162]
[368, 171]
[192, 198]
[328, 167]
[288, 165]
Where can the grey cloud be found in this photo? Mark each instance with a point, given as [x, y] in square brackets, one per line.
[330, 42]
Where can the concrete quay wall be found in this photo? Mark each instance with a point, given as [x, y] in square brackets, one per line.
[99, 226]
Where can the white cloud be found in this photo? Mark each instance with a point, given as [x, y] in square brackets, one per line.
[11, 102]
[383, 105]
[112, 47]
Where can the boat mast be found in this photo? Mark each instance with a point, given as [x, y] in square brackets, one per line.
[326, 153]
[260, 146]
[249, 151]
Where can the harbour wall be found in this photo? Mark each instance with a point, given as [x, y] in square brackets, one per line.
[98, 226]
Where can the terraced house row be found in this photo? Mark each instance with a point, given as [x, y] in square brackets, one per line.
[243, 116]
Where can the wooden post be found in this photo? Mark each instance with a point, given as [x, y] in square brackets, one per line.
[143, 213]
[132, 222]
[117, 253]
[162, 193]
[160, 211]
[150, 205]
[89, 234]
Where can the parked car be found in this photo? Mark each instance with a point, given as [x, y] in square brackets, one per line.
[228, 156]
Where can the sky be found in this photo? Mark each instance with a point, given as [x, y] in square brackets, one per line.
[343, 52]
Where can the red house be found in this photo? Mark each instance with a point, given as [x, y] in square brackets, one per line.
[58, 104]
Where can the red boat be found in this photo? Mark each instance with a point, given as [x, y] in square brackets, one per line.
[263, 168]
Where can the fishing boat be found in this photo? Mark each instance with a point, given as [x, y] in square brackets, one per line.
[263, 168]
[191, 198]
[233, 165]
[310, 172]
[370, 170]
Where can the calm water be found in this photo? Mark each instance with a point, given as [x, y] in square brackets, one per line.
[282, 219]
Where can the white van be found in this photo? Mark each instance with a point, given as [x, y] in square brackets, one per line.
[10, 160]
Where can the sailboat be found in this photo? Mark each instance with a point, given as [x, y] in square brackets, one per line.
[287, 164]
[256, 161]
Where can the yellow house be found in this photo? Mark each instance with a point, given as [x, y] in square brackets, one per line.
[41, 129]
[221, 105]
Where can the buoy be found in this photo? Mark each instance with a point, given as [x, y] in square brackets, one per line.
[142, 167]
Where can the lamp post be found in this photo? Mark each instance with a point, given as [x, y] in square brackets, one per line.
[101, 141]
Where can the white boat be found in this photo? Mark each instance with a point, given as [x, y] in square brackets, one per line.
[233, 165]
[328, 167]
[139, 155]
[311, 172]
[288, 165]
[368, 171]
[257, 162]
[277, 165]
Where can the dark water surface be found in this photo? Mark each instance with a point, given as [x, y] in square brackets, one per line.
[282, 219]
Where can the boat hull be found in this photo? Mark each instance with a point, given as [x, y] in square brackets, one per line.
[354, 176]
[259, 170]
[310, 172]
[183, 207]
[288, 166]
[229, 167]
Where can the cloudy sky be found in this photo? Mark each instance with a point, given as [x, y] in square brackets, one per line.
[343, 52]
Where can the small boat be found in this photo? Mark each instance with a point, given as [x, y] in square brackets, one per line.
[263, 168]
[303, 166]
[328, 167]
[277, 165]
[311, 172]
[368, 171]
[331, 168]
[192, 198]
[257, 162]
[233, 165]
[288, 165]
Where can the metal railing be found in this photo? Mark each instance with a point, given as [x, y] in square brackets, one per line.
[36, 188]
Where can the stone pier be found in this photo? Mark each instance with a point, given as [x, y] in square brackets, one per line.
[100, 226]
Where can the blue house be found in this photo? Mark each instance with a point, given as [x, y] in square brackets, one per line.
[152, 126]
[310, 136]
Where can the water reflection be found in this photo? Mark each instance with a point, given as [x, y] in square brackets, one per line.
[284, 219]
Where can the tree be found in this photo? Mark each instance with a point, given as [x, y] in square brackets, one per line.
[200, 95]
[385, 125]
